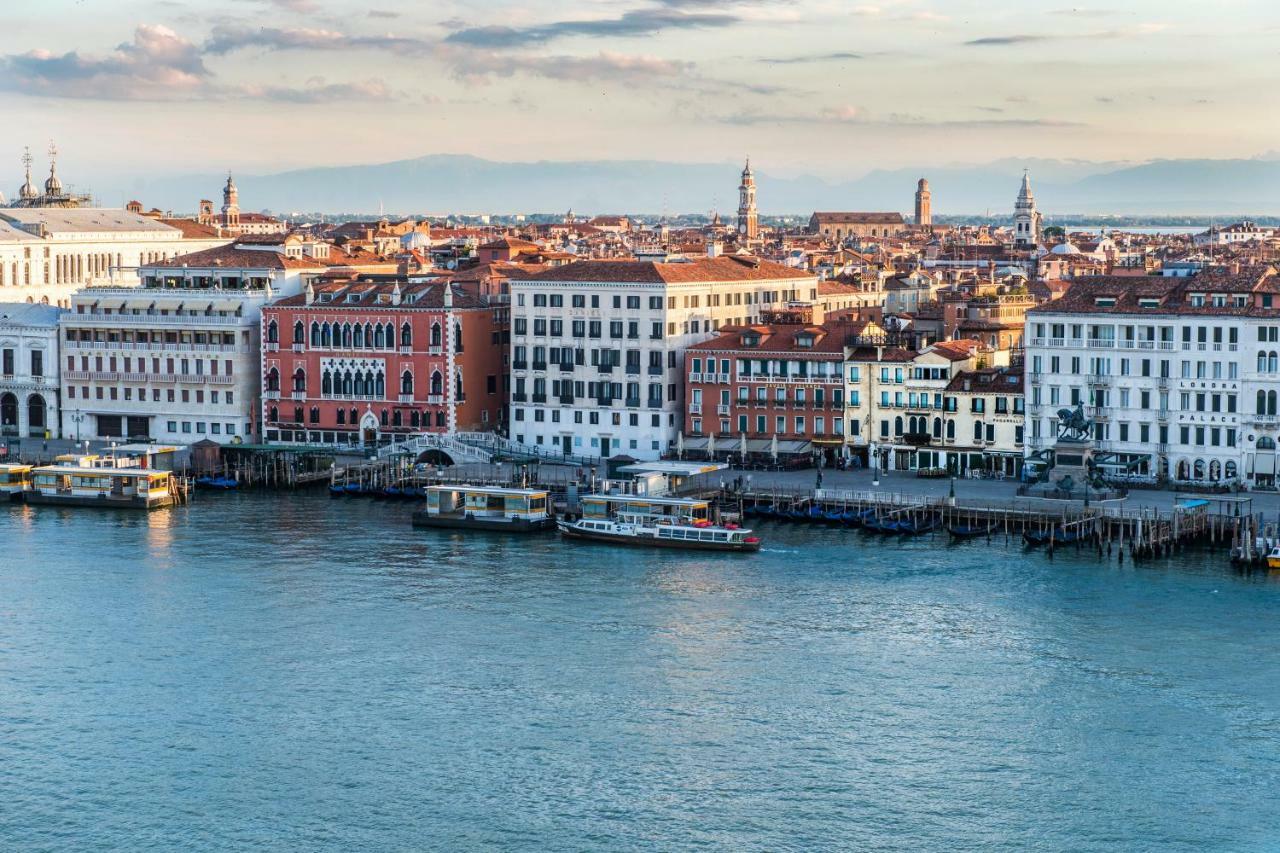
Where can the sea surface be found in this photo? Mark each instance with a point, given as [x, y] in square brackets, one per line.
[291, 672]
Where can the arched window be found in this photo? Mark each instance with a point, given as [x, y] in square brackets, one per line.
[358, 387]
[273, 333]
[273, 415]
[406, 383]
[368, 336]
[383, 420]
[347, 384]
[1184, 470]
[435, 335]
[299, 332]
[396, 418]
[1230, 470]
[357, 336]
[1215, 470]
[414, 418]
[1197, 469]
[390, 336]
[1271, 402]
[437, 384]
[378, 339]
[1262, 402]
[297, 414]
[36, 412]
[937, 427]
[315, 414]
[440, 418]
[897, 425]
[346, 335]
[355, 416]
[315, 333]
[300, 380]
[380, 386]
[1266, 443]
[1272, 366]
[457, 336]
[1262, 362]
[326, 336]
[326, 384]
[406, 336]
[977, 430]
[951, 429]
[342, 416]
[273, 380]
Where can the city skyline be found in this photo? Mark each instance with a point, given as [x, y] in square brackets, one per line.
[808, 87]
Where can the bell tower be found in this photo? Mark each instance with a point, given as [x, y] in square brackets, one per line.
[924, 205]
[1026, 219]
[230, 204]
[748, 221]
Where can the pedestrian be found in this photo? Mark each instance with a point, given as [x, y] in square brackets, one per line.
[819, 478]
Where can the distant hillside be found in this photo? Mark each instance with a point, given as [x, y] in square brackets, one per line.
[461, 184]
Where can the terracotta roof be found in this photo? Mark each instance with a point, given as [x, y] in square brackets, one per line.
[992, 380]
[723, 268]
[192, 230]
[366, 292]
[1106, 294]
[828, 339]
[857, 218]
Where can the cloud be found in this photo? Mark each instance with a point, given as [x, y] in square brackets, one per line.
[383, 13]
[290, 5]
[638, 22]
[317, 91]
[226, 38]
[998, 41]
[838, 56]
[849, 114]
[480, 66]
[158, 64]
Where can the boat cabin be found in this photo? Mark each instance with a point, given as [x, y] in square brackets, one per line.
[74, 485]
[14, 480]
[674, 510]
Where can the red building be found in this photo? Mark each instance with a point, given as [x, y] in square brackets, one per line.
[359, 360]
[775, 379]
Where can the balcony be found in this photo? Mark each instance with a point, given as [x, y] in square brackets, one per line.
[693, 377]
[298, 347]
[435, 399]
[722, 410]
[298, 395]
[519, 364]
[1261, 419]
[539, 365]
[271, 395]
[435, 350]
[516, 397]
[655, 403]
[273, 346]
[633, 370]
[539, 398]
[633, 402]
[1099, 379]
[605, 368]
[655, 370]
[695, 408]
[566, 367]
[566, 399]
[1162, 415]
[405, 398]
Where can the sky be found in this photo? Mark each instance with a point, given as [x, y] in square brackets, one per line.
[831, 88]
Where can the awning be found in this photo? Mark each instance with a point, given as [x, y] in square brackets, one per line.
[754, 445]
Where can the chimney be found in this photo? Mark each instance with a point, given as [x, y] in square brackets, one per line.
[714, 248]
[311, 293]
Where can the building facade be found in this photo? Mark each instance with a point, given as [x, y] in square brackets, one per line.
[28, 370]
[361, 361]
[597, 359]
[175, 358]
[1178, 375]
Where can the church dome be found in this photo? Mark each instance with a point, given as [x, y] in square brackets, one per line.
[28, 191]
[1066, 247]
[52, 184]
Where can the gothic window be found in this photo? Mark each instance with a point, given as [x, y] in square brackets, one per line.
[457, 337]
[346, 335]
[406, 336]
[380, 387]
[951, 429]
[326, 335]
[315, 334]
[326, 384]
[273, 415]
[435, 334]
[357, 336]
[406, 383]
[437, 384]
[299, 335]
[390, 335]
[273, 333]
[342, 416]
[273, 380]
[368, 336]
[315, 414]
[300, 380]
[358, 388]
[396, 418]
[377, 336]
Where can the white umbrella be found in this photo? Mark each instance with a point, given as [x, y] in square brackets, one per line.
[773, 447]
[680, 444]
[743, 448]
[711, 445]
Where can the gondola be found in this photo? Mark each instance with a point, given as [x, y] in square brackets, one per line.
[1039, 538]
[970, 531]
[883, 526]
[336, 491]
[217, 483]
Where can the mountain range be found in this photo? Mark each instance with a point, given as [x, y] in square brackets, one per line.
[448, 183]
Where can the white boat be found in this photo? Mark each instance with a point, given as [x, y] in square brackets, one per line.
[15, 481]
[655, 522]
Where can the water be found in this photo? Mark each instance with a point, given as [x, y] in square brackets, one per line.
[298, 673]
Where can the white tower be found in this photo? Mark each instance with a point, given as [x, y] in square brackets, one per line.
[1026, 219]
[748, 221]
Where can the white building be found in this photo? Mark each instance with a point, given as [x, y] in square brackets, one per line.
[1240, 232]
[177, 358]
[28, 370]
[598, 346]
[1179, 375]
[47, 253]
